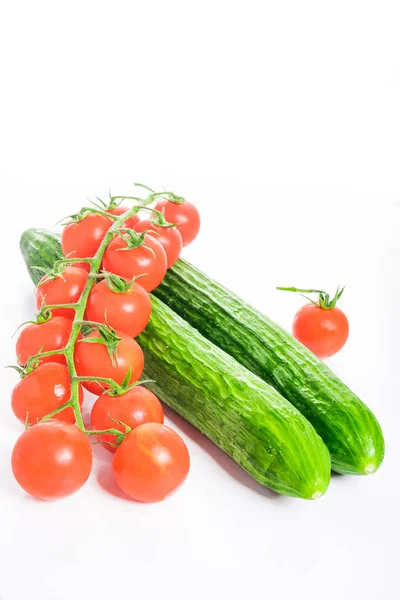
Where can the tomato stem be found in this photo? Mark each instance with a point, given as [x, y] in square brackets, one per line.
[324, 300]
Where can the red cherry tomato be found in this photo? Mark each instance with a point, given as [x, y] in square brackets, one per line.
[66, 289]
[93, 360]
[139, 405]
[150, 262]
[43, 337]
[151, 462]
[83, 238]
[323, 331]
[127, 311]
[169, 238]
[52, 459]
[120, 210]
[42, 391]
[185, 215]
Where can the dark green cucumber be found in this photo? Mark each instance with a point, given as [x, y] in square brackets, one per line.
[348, 428]
[40, 249]
[243, 415]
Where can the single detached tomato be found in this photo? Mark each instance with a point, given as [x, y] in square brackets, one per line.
[83, 238]
[43, 337]
[169, 238]
[323, 331]
[185, 215]
[127, 311]
[139, 405]
[52, 459]
[151, 462]
[65, 289]
[42, 391]
[120, 210]
[149, 260]
[93, 360]
[320, 326]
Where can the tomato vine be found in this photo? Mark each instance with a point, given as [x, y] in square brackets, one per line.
[80, 308]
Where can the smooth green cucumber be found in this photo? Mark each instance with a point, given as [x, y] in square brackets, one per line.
[348, 428]
[242, 414]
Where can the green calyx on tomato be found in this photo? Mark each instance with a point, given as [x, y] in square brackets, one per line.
[134, 240]
[324, 300]
[107, 336]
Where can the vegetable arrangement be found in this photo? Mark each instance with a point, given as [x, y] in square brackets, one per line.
[254, 390]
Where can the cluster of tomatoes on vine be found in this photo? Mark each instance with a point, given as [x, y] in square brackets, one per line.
[58, 354]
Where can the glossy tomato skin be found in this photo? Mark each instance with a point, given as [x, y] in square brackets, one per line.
[169, 238]
[65, 289]
[52, 459]
[151, 262]
[323, 331]
[42, 391]
[93, 360]
[120, 210]
[127, 311]
[83, 238]
[185, 215]
[43, 337]
[139, 405]
[151, 462]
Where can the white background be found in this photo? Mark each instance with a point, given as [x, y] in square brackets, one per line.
[280, 120]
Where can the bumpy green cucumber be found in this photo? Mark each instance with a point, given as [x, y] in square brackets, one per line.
[243, 415]
[348, 428]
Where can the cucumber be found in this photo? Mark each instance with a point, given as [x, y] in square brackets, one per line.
[40, 249]
[239, 412]
[348, 428]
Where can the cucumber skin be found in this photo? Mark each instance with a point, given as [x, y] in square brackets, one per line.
[244, 416]
[348, 428]
[239, 412]
[40, 248]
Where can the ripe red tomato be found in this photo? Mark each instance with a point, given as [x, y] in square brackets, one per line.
[151, 262]
[42, 337]
[52, 459]
[185, 215]
[169, 238]
[93, 360]
[151, 462]
[120, 210]
[323, 331]
[139, 405]
[42, 391]
[127, 311]
[83, 238]
[65, 289]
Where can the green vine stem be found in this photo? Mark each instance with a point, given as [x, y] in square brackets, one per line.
[324, 300]
[80, 307]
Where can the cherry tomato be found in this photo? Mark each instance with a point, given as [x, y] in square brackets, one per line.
[151, 262]
[83, 238]
[42, 391]
[52, 459]
[151, 462]
[42, 337]
[185, 215]
[127, 311]
[65, 289]
[323, 331]
[139, 405]
[93, 360]
[120, 210]
[169, 238]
